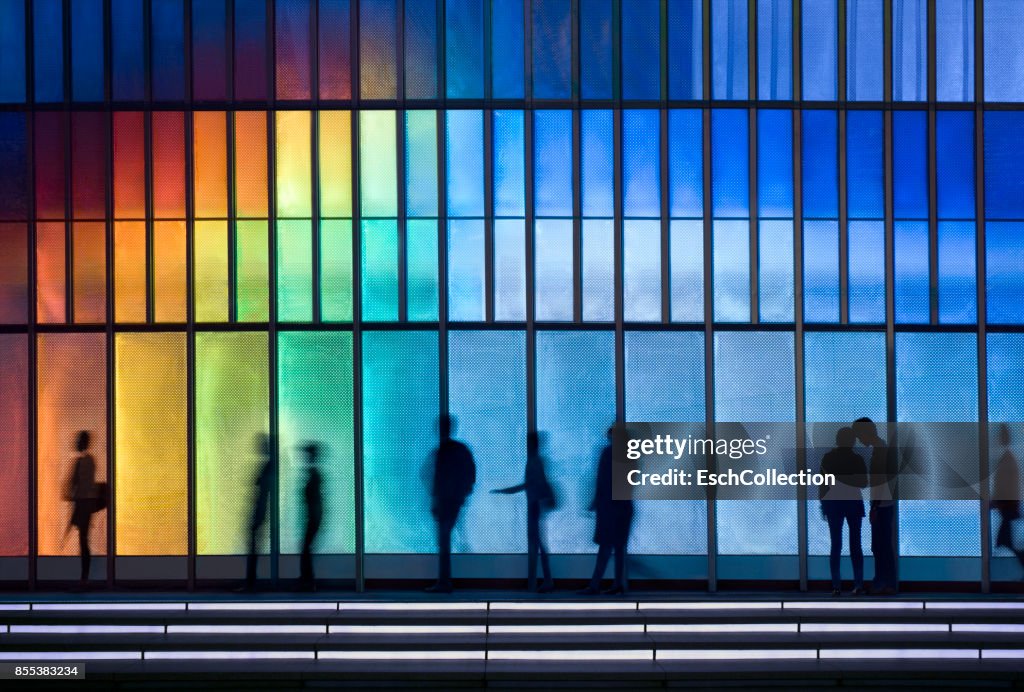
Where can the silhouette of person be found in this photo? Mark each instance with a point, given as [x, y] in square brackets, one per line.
[843, 503]
[454, 476]
[540, 498]
[313, 496]
[882, 515]
[264, 483]
[613, 521]
[87, 497]
[1007, 488]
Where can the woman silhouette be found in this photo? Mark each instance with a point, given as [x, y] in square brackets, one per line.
[87, 497]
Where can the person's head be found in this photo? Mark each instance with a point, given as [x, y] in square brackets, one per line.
[312, 452]
[1004, 435]
[845, 437]
[82, 441]
[865, 430]
[446, 426]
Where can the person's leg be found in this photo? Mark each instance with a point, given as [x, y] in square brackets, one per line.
[444, 551]
[1004, 538]
[877, 551]
[604, 552]
[835, 535]
[250, 560]
[306, 561]
[853, 519]
[532, 544]
[885, 570]
[620, 567]
[83, 550]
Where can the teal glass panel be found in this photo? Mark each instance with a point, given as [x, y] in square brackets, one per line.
[379, 265]
[336, 271]
[421, 269]
[294, 271]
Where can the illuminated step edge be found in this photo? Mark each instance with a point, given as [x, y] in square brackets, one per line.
[420, 606]
[853, 605]
[14, 607]
[86, 629]
[408, 629]
[70, 656]
[121, 606]
[990, 628]
[285, 606]
[246, 629]
[572, 605]
[731, 628]
[874, 628]
[736, 654]
[571, 655]
[928, 654]
[975, 605]
[711, 605]
[468, 655]
[228, 655]
[626, 628]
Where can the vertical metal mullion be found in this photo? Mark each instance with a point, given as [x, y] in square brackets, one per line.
[528, 235]
[798, 289]
[403, 290]
[69, 211]
[147, 148]
[709, 304]
[577, 166]
[666, 239]
[617, 224]
[314, 132]
[933, 225]
[190, 308]
[890, 247]
[229, 22]
[275, 510]
[982, 298]
[844, 221]
[488, 215]
[30, 519]
[617, 52]
[111, 296]
[357, 326]
[754, 222]
[442, 268]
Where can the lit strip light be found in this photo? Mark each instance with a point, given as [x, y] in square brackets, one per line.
[468, 655]
[573, 655]
[741, 627]
[853, 605]
[1002, 653]
[70, 655]
[247, 629]
[996, 628]
[551, 605]
[12, 607]
[875, 628]
[974, 605]
[365, 605]
[229, 655]
[737, 654]
[853, 654]
[87, 629]
[408, 629]
[711, 605]
[624, 628]
[108, 606]
[310, 605]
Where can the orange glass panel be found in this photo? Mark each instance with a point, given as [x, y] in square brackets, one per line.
[168, 165]
[72, 396]
[211, 169]
[251, 165]
[169, 276]
[129, 166]
[130, 271]
[50, 272]
[14, 443]
[90, 272]
[13, 273]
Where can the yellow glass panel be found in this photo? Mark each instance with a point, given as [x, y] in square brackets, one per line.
[211, 271]
[336, 164]
[169, 284]
[294, 184]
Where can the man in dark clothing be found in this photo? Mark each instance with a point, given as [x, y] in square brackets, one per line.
[882, 476]
[264, 483]
[613, 521]
[313, 496]
[454, 476]
[842, 502]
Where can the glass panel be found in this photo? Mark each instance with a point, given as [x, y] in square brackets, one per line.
[774, 164]
[866, 245]
[597, 163]
[641, 49]
[336, 271]
[464, 144]
[686, 266]
[168, 141]
[510, 270]
[421, 163]
[730, 160]
[293, 166]
[421, 269]
[909, 50]
[821, 271]
[335, 163]
[865, 196]
[379, 270]
[335, 49]
[552, 46]
[251, 165]
[89, 154]
[89, 252]
[13, 273]
[130, 271]
[48, 40]
[464, 49]
[553, 269]
[87, 40]
[912, 272]
[14, 465]
[210, 273]
[291, 48]
[377, 41]
[420, 49]
[641, 271]
[466, 290]
[169, 270]
[819, 23]
[294, 271]
[1004, 165]
[685, 163]
[377, 164]
[50, 272]
[864, 49]
[774, 49]
[731, 261]
[209, 57]
[598, 265]
[250, 67]
[957, 273]
[129, 166]
[954, 50]
[685, 49]
[252, 273]
[126, 60]
[729, 49]
[49, 138]
[509, 165]
[14, 181]
[167, 24]
[211, 168]
[1004, 50]
[1004, 284]
[595, 49]
[775, 268]
[820, 164]
[954, 161]
[507, 61]
[552, 148]
[641, 163]
[910, 165]
[12, 58]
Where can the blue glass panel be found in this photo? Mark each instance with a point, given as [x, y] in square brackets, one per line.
[821, 271]
[421, 269]
[596, 49]
[954, 50]
[598, 262]
[464, 139]
[597, 163]
[730, 160]
[820, 154]
[774, 49]
[464, 49]
[1004, 257]
[12, 57]
[912, 273]
[909, 50]
[507, 59]
[685, 49]
[865, 194]
[866, 243]
[641, 163]
[421, 49]
[466, 294]
[1005, 373]
[775, 163]
[1004, 50]
[910, 164]
[864, 50]
[729, 49]
[509, 270]
[377, 51]
[292, 37]
[127, 60]
[552, 49]
[250, 69]
[686, 267]
[400, 406]
[48, 42]
[379, 239]
[954, 160]
[487, 375]
[552, 150]
[1004, 165]
[14, 179]
[819, 24]
[168, 50]
[775, 270]
[421, 163]
[575, 407]
[957, 273]
[209, 59]
[641, 271]
[509, 164]
[553, 271]
[730, 244]
[87, 50]
[664, 378]
[641, 49]
[685, 163]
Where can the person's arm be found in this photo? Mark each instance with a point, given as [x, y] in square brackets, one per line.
[510, 490]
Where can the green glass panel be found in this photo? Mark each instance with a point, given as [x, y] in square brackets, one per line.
[210, 290]
[421, 163]
[252, 293]
[336, 271]
[380, 270]
[377, 164]
[294, 271]
[421, 259]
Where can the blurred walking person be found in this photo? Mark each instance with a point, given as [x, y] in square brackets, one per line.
[314, 500]
[264, 486]
[1007, 493]
[454, 477]
[613, 522]
[882, 476]
[87, 497]
[843, 503]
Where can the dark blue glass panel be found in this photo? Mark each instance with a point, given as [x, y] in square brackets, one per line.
[597, 163]
[774, 49]
[209, 57]
[641, 49]
[910, 164]
[1004, 50]
[864, 184]
[730, 174]
[464, 139]
[251, 44]
[820, 165]
[464, 48]
[957, 273]
[168, 50]
[1004, 257]
[686, 268]
[954, 160]
[821, 271]
[48, 42]
[553, 269]
[12, 55]
[730, 261]
[864, 50]
[641, 163]
[685, 49]
[421, 49]
[1004, 165]
[775, 270]
[685, 163]
[552, 49]
[598, 262]
[909, 50]
[729, 49]
[292, 36]
[641, 270]
[87, 50]
[912, 272]
[595, 49]
[954, 50]
[819, 23]
[775, 163]
[14, 183]
[128, 62]
[866, 264]
[552, 147]
[507, 49]
[509, 166]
